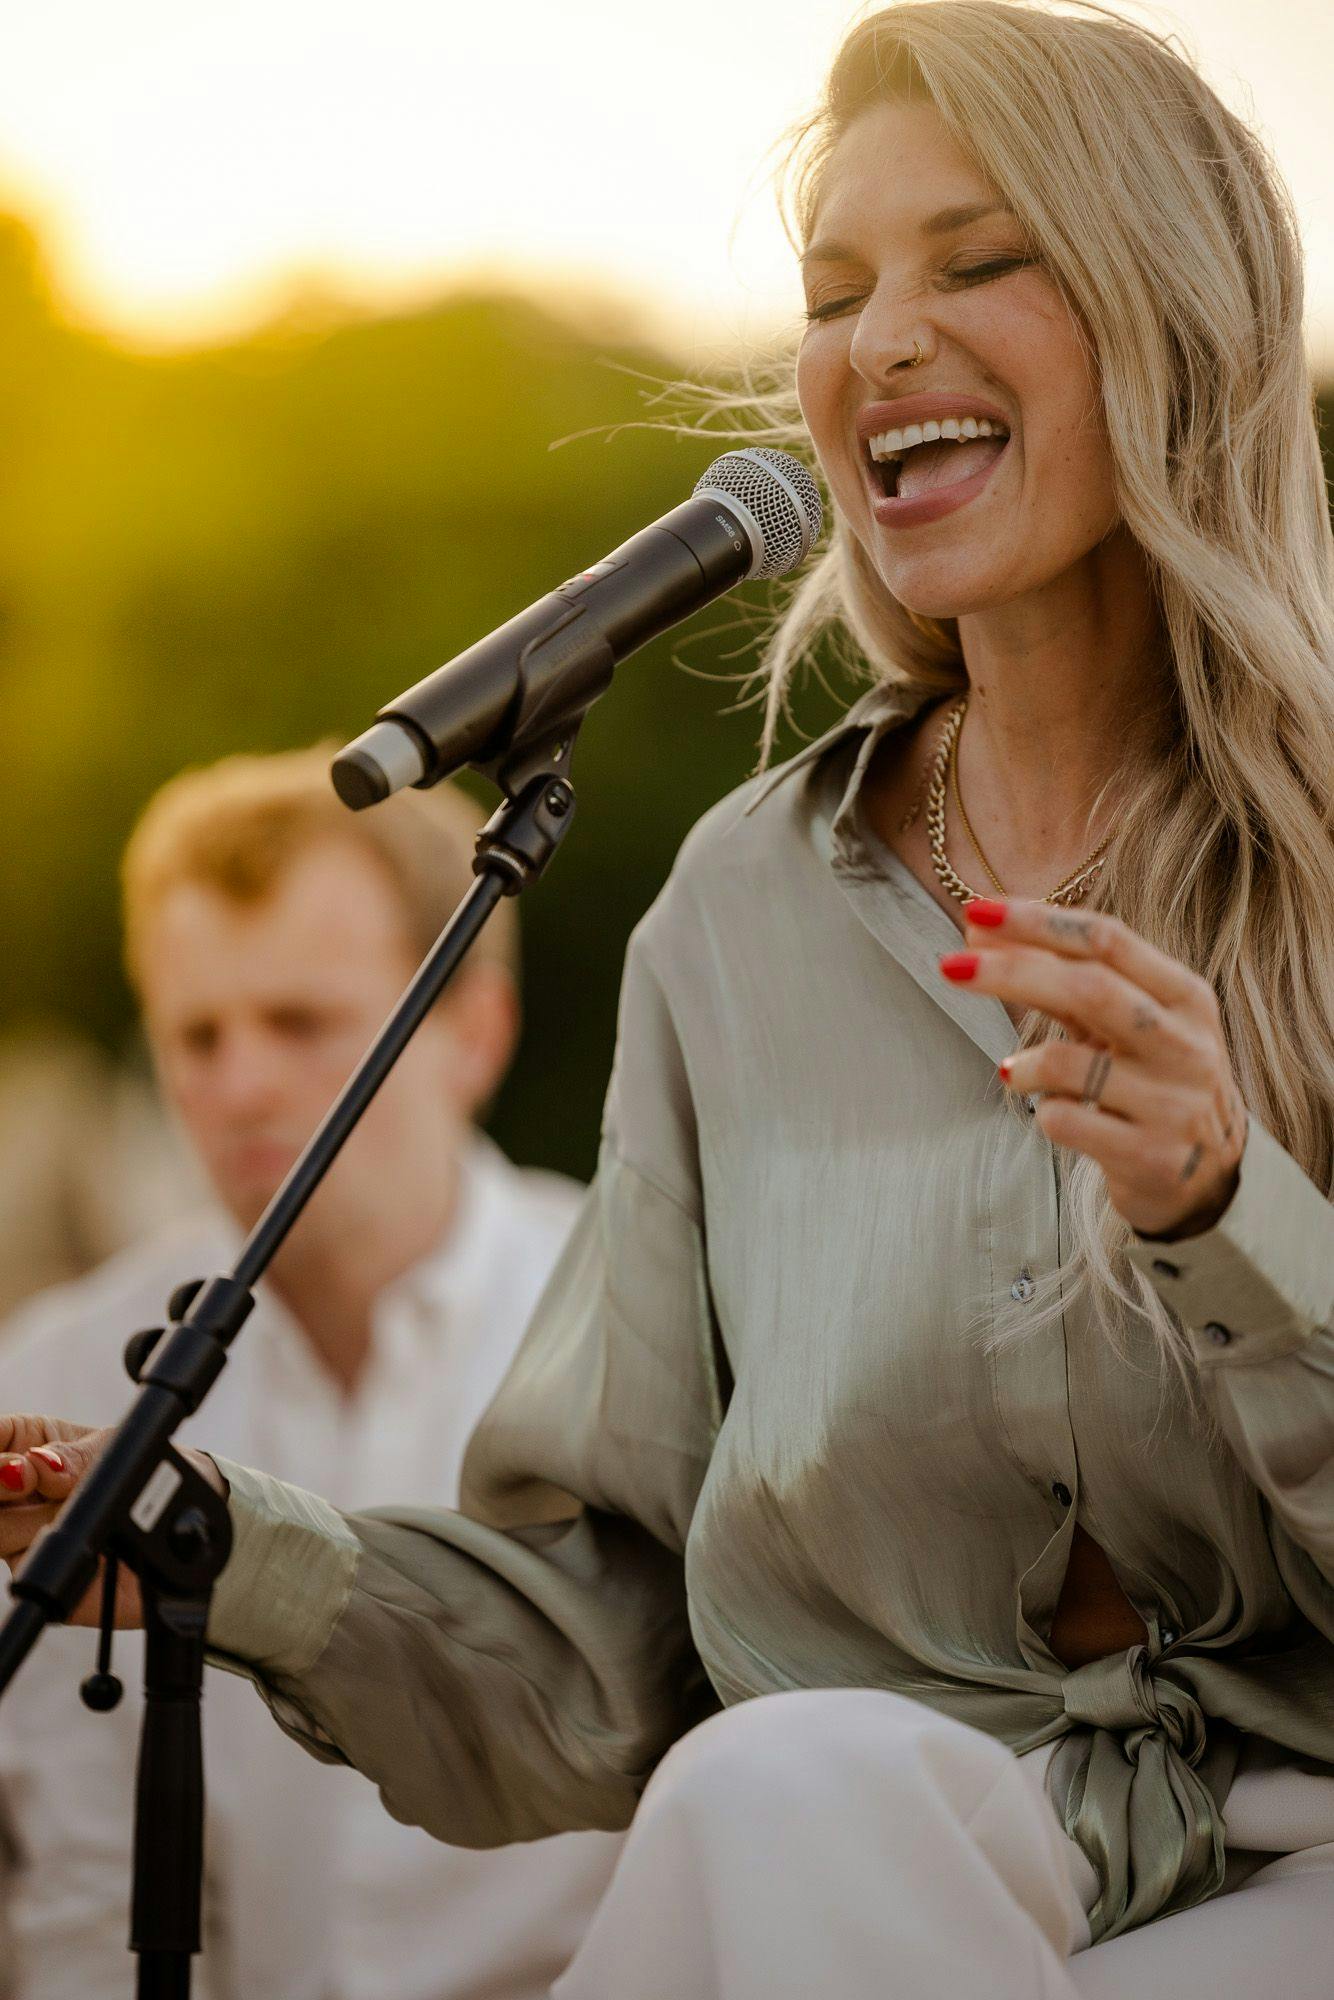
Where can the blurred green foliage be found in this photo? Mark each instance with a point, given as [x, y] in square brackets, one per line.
[253, 545]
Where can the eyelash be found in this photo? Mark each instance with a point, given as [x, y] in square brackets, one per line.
[969, 272]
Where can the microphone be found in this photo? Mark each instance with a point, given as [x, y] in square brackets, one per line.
[754, 513]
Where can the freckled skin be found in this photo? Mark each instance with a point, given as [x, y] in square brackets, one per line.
[1054, 603]
[1012, 339]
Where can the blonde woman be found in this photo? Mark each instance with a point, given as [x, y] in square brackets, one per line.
[964, 1439]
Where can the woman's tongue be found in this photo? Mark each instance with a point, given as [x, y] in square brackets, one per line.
[931, 466]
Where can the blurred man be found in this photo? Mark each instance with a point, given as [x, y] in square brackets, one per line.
[268, 934]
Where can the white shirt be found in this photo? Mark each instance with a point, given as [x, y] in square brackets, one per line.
[312, 1891]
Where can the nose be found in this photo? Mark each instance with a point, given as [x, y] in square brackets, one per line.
[245, 1076]
[888, 339]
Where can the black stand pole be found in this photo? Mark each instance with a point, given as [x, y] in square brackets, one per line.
[177, 1562]
[169, 1849]
[144, 1505]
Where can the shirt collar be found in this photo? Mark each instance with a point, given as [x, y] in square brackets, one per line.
[450, 1278]
[878, 884]
[884, 707]
[443, 1291]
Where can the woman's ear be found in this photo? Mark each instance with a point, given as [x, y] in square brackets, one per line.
[480, 1016]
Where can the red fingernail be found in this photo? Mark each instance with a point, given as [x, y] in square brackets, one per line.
[983, 911]
[1004, 1068]
[960, 964]
[11, 1473]
[51, 1458]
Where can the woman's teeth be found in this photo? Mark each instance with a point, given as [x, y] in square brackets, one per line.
[893, 444]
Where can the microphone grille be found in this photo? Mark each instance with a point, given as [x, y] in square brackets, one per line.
[778, 494]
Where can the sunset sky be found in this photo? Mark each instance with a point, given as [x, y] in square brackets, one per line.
[186, 158]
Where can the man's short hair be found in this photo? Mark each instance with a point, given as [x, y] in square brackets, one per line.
[237, 825]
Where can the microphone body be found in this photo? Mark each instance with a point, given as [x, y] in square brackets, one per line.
[536, 676]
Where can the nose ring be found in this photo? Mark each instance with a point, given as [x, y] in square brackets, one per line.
[919, 357]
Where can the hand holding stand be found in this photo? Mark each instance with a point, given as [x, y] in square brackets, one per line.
[144, 1505]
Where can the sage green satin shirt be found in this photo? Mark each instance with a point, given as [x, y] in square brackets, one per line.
[758, 1437]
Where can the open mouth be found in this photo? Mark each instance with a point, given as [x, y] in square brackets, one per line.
[930, 457]
[885, 475]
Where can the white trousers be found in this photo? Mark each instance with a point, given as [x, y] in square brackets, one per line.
[855, 1844]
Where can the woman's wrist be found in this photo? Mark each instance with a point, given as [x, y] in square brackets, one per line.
[208, 1469]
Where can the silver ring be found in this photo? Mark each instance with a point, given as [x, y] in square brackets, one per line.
[1097, 1076]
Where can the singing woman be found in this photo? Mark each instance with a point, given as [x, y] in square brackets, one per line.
[914, 1502]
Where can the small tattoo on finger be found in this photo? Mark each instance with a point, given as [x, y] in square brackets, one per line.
[1062, 924]
[1143, 1019]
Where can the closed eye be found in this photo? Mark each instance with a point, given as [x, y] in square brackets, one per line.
[997, 265]
[964, 273]
[834, 307]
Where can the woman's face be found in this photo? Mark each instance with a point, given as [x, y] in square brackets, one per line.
[976, 523]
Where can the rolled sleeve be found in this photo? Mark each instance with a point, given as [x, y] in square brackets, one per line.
[290, 1574]
[1258, 1284]
[516, 1669]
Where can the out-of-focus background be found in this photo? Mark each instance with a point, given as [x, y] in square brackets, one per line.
[298, 299]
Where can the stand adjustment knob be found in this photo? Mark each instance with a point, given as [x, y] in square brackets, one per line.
[181, 1300]
[138, 1348]
[189, 1537]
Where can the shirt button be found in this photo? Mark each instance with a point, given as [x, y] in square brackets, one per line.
[1061, 1492]
[1218, 1333]
[1030, 1105]
[1165, 1268]
[1023, 1286]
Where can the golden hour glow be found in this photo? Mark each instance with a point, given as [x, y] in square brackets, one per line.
[187, 164]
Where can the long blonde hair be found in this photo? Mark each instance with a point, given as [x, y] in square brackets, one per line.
[1168, 228]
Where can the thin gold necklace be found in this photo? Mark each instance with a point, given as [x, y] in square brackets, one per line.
[1072, 890]
[967, 823]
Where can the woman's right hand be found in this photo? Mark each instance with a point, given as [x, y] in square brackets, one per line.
[42, 1460]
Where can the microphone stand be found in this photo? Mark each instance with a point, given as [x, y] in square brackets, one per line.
[145, 1506]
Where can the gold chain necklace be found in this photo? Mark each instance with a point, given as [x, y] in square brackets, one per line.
[1072, 890]
[963, 815]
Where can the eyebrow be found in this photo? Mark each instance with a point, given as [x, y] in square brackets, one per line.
[940, 224]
